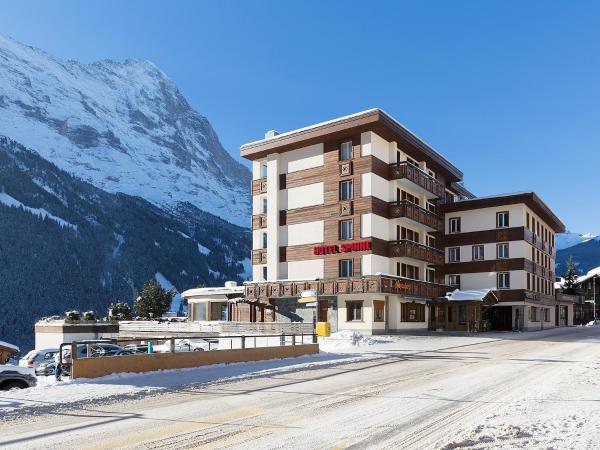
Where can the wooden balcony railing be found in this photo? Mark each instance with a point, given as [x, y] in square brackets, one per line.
[538, 243]
[410, 249]
[386, 284]
[259, 186]
[538, 270]
[407, 171]
[259, 256]
[259, 221]
[414, 212]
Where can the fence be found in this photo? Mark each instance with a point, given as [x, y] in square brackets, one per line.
[90, 359]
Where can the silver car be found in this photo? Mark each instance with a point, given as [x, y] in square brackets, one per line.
[36, 357]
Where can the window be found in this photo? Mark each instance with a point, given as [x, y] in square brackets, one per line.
[430, 207]
[264, 240]
[346, 151]
[502, 250]
[478, 253]
[534, 313]
[408, 271]
[346, 190]
[409, 235]
[346, 268]
[354, 311]
[454, 225]
[431, 275]
[504, 280]
[413, 312]
[546, 314]
[264, 205]
[430, 240]
[264, 271]
[412, 162]
[527, 219]
[345, 229]
[454, 254]
[454, 280]
[409, 197]
[378, 311]
[502, 219]
[263, 169]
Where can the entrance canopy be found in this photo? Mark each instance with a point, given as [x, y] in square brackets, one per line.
[485, 296]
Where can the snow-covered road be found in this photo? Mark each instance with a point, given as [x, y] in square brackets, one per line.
[534, 390]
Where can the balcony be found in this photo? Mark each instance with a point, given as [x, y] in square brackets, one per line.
[259, 221]
[538, 243]
[409, 249]
[538, 270]
[386, 284]
[259, 256]
[259, 186]
[414, 212]
[409, 172]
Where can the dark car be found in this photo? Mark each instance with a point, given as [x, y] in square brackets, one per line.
[15, 377]
[47, 369]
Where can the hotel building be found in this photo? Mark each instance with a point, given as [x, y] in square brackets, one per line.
[378, 225]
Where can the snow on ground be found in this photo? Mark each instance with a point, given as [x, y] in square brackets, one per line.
[166, 284]
[202, 249]
[40, 212]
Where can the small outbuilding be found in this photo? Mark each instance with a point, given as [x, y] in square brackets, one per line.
[213, 303]
[462, 310]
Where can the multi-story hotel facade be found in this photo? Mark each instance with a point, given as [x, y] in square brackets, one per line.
[363, 213]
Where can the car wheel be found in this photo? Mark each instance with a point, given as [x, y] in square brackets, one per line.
[198, 349]
[14, 385]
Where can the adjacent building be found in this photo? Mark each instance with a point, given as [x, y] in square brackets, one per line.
[379, 226]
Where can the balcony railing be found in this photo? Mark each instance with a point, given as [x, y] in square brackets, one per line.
[407, 171]
[259, 256]
[538, 270]
[387, 284]
[414, 212]
[410, 249]
[538, 243]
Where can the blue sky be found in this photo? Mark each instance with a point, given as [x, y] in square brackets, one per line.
[507, 90]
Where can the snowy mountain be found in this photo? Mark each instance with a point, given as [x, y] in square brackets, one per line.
[66, 244]
[124, 127]
[569, 239]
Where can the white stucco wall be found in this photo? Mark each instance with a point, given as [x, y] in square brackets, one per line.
[302, 196]
[374, 185]
[485, 218]
[302, 158]
[311, 268]
[302, 233]
[371, 264]
[487, 280]
[372, 225]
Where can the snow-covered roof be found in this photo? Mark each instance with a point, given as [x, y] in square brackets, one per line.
[211, 291]
[591, 273]
[7, 345]
[472, 295]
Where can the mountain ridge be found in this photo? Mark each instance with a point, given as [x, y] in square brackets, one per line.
[122, 126]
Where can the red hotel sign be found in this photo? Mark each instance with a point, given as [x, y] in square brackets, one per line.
[343, 248]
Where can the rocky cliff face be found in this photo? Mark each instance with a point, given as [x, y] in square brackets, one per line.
[124, 127]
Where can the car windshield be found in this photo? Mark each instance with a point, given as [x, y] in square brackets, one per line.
[29, 355]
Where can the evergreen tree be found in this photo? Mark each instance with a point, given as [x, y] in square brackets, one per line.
[570, 277]
[154, 300]
[119, 311]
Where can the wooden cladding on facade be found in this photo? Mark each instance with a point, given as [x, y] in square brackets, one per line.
[519, 295]
[414, 212]
[259, 256]
[259, 186]
[259, 221]
[417, 251]
[407, 171]
[369, 284]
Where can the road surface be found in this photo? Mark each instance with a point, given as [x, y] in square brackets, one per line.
[533, 390]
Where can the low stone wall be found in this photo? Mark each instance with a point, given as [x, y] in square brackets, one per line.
[98, 367]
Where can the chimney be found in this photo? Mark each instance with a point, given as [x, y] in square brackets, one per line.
[271, 134]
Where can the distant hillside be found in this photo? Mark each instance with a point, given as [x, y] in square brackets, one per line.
[586, 256]
[66, 244]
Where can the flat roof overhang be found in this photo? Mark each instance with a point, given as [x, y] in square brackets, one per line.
[375, 120]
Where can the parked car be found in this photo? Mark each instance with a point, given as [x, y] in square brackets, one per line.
[186, 345]
[137, 348]
[47, 369]
[36, 357]
[16, 377]
[96, 349]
